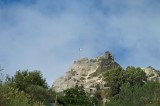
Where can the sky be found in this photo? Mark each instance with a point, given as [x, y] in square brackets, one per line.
[46, 35]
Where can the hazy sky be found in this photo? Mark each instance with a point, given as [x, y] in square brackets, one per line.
[45, 35]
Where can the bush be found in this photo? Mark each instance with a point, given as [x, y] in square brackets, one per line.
[146, 95]
[78, 97]
[12, 97]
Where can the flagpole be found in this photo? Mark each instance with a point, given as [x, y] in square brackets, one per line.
[79, 52]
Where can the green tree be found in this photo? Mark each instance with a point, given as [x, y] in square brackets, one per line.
[17, 98]
[114, 79]
[12, 97]
[117, 77]
[24, 79]
[135, 76]
[138, 95]
[33, 84]
[77, 96]
[38, 93]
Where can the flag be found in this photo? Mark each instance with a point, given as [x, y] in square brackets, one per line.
[80, 49]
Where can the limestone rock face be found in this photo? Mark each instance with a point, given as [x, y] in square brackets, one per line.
[87, 73]
[152, 74]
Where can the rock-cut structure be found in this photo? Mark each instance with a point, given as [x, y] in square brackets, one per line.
[87, 73]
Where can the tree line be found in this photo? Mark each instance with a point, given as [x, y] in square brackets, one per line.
[130, 87]
[25, 88]
[125, 87]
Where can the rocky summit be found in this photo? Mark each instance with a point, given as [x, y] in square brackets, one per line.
[87, 73]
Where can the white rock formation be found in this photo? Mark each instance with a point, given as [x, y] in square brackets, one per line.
[87, 73]
[153, 74]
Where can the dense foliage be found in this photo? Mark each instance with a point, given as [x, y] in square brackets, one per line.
[130, 88]
[24, 79]
[25, 88]
[78, 97]
[12, 97]
[145, 95]
[117, 77]
[127, 87]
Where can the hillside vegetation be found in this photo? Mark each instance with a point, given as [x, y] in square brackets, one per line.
[25, 88]
[122, 87]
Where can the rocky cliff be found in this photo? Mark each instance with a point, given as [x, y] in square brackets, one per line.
[87, 73]
[152, 73]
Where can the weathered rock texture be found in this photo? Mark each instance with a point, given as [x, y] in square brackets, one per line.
[87, 73]
[153, 74]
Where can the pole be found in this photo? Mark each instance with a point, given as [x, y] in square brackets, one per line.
[80, 52]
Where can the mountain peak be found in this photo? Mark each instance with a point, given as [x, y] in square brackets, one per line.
[86, 72]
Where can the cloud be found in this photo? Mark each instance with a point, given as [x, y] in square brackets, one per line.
[46, 35]
[136, 30]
